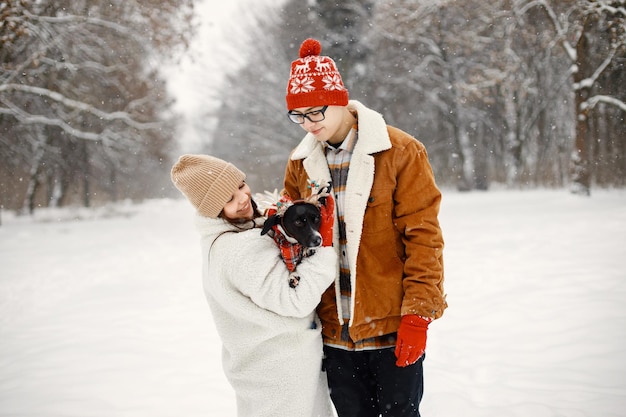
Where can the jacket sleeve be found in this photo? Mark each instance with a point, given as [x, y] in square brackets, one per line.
[417, 201]
[293, 171]
[253, 266]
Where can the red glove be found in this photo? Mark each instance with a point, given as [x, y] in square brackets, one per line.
[411, 343]
[327, 212]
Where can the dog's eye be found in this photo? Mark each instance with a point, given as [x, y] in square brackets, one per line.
[298, 223]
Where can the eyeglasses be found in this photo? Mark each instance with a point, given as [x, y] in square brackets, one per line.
[313, 115]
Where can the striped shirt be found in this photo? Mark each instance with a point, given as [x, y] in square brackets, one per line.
[338, 159]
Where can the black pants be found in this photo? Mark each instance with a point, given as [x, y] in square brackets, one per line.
[369, 384]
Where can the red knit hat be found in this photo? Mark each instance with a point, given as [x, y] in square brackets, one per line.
[314, 79]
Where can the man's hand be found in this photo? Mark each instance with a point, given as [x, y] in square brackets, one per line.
[411, 343]
[327, 212]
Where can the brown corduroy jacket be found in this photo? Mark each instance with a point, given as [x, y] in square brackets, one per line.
[394, 240]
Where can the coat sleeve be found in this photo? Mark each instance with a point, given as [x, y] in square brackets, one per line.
[252, 264]
[293, 171]
[417, 201]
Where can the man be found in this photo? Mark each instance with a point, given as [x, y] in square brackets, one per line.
[390, 284]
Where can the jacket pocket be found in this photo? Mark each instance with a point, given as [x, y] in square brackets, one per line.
[379, 211]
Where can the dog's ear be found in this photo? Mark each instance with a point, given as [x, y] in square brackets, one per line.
[271, 221]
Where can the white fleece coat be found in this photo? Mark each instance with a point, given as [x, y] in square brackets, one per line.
[272, 347]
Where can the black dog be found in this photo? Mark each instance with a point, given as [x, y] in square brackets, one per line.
[296, 232]
[300, 223]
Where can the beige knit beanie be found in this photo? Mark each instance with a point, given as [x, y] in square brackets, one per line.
[206, 181]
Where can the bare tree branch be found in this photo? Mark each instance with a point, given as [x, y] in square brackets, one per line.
[79, 105]
[593, 101]
[590, 81]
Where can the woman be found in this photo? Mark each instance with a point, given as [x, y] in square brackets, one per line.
[272, 348]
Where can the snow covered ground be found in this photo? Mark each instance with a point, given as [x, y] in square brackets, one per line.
[102, 311]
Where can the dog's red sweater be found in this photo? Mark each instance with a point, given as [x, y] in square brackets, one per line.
[291, 253]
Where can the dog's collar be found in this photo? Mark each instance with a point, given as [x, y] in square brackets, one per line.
[280, 229]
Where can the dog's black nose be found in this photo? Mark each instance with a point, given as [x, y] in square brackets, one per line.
[315, 241]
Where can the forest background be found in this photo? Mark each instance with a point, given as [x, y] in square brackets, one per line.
[517, 93]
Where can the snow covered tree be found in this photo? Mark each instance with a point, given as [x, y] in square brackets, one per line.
[432, 71]
[592, 34]
[82, 104]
